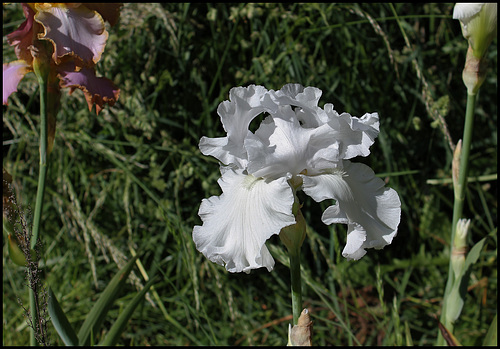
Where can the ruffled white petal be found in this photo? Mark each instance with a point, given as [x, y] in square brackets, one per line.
[297, 95]
[355, 135]
[236, 114]
[372, 211]
[281, 146]
[464, 10]
[237, 224]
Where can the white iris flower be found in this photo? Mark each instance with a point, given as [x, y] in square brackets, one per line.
[298, 145]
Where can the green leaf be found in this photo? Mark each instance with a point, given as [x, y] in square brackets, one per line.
[60, 321]
[458, 292]
[470, 260]
[96, 315]
[473, 255]
[491, 336]
[120, 323]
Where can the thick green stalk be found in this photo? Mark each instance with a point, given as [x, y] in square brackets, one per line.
[296, 282]
[459, 189]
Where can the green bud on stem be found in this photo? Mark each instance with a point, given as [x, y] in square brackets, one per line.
[293, 236]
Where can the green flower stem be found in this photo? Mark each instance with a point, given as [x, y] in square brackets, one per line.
[42, 80]
[296, 282]
[464, 162]
[42, 73]
[460, 188]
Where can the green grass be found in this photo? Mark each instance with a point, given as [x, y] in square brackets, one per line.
[131, 179]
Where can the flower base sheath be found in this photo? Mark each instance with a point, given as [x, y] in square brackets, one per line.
[296, 142]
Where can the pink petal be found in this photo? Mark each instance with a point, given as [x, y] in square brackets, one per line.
[97, 90]
[22, 37]
[13, 72]
[75, 31]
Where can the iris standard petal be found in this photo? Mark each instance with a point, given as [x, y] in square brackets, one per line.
[373, 212]
[355, 135]
[236, 114]
[306, 99]
[237, 223]
[73, 30]
[281, 146]
[297, 95]
[13, 73]
[216, 147]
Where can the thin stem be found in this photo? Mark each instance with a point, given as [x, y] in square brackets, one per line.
[459, 189]
[296, 282]
[43, 166]
[42, 75]
[464, 162]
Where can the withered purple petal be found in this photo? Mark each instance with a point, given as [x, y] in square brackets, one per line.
[22, 37]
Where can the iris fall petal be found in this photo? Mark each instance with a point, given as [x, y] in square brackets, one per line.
[372, 211]
[237, 224]
[97, 90]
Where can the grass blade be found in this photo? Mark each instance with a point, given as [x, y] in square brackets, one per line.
[491, 336]
[116, 330]
[99, 310]
[60, 321]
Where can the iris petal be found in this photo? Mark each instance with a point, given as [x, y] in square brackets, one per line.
[356, 135]
[464, 11]
[75, 31]
[281, 146]
[97, 90]
[22, 37]
[237, 224]
[373, 212]
[13, 73]
[244, 104]
[297, 95]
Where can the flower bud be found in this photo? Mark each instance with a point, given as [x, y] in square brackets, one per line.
[455, 167]
[293, 235]
[459, 246]
[474, 72]
[479, 24]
